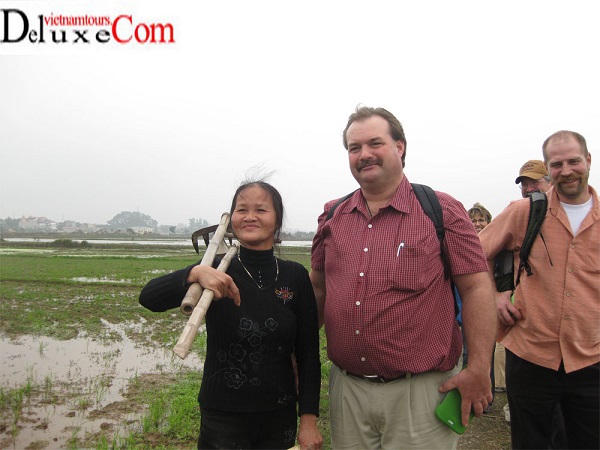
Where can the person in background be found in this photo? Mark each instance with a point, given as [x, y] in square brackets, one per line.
[267, 312]
[480, 217]
[388, 309]
[551, 332]
[533, 177]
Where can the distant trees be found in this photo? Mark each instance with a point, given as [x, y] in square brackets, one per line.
[9, 224]
[129, 219]
[297, 236]
[196, 224]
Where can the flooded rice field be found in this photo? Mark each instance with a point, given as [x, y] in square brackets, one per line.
[77, 387]
[83, 365]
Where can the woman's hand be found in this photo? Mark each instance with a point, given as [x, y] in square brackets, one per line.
[309, 437]
[215, 280]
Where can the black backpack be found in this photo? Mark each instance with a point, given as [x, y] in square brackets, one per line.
[504, 264]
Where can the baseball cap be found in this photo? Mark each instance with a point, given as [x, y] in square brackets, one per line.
[534, 169]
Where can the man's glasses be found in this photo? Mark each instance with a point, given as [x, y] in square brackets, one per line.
[528, 184]
[480, 221]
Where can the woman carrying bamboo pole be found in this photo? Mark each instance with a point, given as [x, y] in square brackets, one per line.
[248, 396]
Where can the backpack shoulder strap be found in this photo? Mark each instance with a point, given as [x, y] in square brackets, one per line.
[538, 205]
[432, 208]
[338, 203]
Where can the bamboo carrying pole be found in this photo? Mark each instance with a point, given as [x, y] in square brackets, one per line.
[182, 348]
[195, 290]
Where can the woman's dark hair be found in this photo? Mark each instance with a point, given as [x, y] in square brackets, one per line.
[275, 198]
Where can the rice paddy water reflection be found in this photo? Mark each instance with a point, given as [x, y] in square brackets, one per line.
[96, 373]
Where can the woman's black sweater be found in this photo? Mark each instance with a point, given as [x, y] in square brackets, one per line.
[249, 349]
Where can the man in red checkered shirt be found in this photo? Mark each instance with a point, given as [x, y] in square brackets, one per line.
[388, 310]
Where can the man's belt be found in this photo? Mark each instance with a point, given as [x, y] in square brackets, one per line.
[373, 378]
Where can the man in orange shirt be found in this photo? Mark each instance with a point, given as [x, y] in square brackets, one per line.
[552, 332]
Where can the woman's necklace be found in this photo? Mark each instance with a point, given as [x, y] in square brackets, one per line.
[250, 275]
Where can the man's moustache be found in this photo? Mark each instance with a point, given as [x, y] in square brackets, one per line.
[362, 165]
[567, 180]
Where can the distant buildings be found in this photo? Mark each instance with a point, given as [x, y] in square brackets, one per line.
[142, 230]
[37, 224]
[44, 225]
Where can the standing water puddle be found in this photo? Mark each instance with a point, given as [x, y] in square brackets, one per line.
[91, 376]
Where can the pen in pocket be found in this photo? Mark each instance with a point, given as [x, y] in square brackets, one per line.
[400, 247]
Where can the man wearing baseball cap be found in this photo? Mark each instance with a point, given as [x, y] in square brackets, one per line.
[533, 177]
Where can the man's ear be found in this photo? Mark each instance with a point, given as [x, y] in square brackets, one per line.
[400, 147]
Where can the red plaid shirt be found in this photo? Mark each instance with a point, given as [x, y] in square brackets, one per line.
[388, 308]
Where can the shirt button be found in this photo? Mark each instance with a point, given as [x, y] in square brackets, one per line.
[357, 332]
[568, 294]
[370, 226]
[357, 303]
[362, 274]
[366, 249]
[363, 359]
[572, 245]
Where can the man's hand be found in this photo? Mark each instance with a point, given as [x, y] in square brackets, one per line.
[475, 388]
[507, 313]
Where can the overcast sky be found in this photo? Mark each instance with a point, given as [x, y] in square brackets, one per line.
[88, 131]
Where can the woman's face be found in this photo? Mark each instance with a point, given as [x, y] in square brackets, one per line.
[253, 219]
[479, 222]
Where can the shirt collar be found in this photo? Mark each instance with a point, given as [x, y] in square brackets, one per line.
[554, 202]
[400, 201]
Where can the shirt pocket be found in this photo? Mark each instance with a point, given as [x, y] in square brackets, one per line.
[413, 266]
[591, 259]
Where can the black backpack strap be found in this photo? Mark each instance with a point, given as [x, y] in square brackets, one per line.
[338, 203]
[538, 205]
[431, 206]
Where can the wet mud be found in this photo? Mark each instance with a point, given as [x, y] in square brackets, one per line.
[76, 389]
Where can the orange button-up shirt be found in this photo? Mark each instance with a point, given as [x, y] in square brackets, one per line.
[560, 302]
